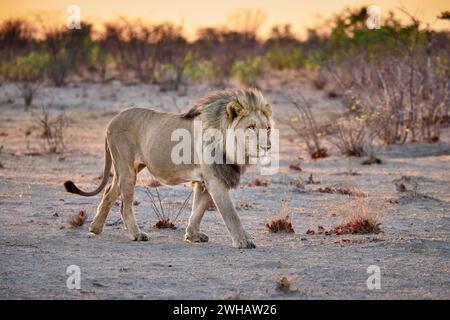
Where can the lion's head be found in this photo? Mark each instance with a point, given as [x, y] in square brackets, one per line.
[242, 110]
[246, 113]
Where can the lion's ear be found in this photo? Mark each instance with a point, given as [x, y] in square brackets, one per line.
[233, 109]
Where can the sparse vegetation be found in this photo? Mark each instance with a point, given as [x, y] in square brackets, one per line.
[166, 212]
[27, 73]
[283, 222]
[354, 192]
[361, 216]
[258, 182]
[305, 125]
[52, 130]
[351, 138]
[248, 71]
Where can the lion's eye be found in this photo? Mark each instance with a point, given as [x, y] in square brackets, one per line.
[252, 127]
[268, 128]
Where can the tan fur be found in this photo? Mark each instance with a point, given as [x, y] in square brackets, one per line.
[138, 138]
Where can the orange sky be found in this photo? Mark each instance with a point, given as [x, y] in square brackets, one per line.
[197, 13]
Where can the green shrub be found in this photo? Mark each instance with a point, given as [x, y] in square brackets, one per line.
[168, 76]
[248, 71]
[27, 73]
[100, 61]
[281, 58]
[59, 66]
[26, 68]
[199, 70]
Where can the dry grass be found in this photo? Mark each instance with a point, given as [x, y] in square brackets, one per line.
[166, 212]
[283, 222]
[359, 216]
[353, 192]
[77, 219]
[258, 182]
[295, 166]
[352, 138]
[165, 224]
[298, 183]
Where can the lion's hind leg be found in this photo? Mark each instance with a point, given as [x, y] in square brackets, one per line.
[127, 182]
[110, 196]
[201, 201]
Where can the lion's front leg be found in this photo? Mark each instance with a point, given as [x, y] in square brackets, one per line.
[199, 205]
[221, 197]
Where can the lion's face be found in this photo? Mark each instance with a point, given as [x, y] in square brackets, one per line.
[252, 122]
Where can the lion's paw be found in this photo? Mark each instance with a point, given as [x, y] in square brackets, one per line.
[141, 236]
[196, 237]
[91, 235]
[246, 243]
[94, 229]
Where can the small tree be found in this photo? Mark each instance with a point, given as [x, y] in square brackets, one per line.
[27, 73]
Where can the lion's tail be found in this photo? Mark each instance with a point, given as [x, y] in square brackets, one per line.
[72, 188]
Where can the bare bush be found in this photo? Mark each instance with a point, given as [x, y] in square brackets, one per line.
[52, 130]
[351, 138]
[305, 125]
[283, 222]
[166, 212]
[405, 95]
[353, 192]
[359, 216]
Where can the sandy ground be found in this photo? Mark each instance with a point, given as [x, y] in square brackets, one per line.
[36, 245]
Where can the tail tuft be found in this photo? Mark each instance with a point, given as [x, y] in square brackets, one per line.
[71, 187]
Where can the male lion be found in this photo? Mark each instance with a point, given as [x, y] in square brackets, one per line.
[139, 138]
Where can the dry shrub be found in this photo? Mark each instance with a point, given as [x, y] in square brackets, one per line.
[361, 216]
[166, 212]
[298, 183]
[77, 219]
[407, 184]
[257, 182]
[305, 125]
[284, 284]
[52, 131]
[407, 93]
[283, 222]
[295, 166]
[319, 153]
[353, 192]
[357, 226]
[243, 206]
[352, 138]
[165, 224]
